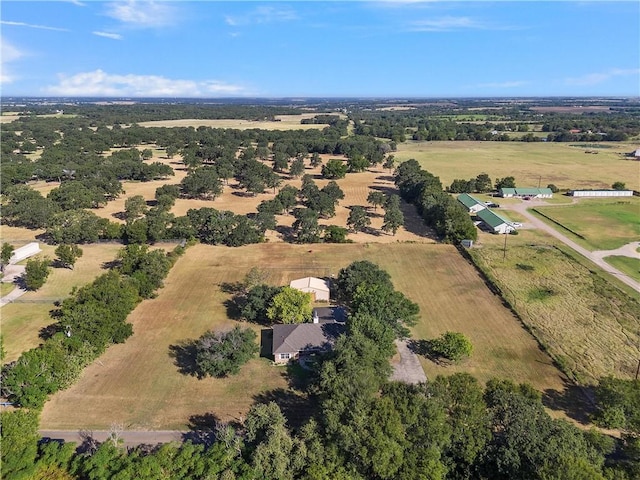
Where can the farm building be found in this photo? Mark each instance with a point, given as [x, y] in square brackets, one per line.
[601, 193]
[472, 204]
[494, 222]
[318, 288]
[294, 340]
[29, 250]
[526, 192]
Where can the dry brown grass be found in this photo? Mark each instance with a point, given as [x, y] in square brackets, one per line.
[285, 122]
[138, 385]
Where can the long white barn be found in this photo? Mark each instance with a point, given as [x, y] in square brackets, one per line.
[601, 193]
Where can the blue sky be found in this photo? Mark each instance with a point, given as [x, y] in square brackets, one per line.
[401, 48]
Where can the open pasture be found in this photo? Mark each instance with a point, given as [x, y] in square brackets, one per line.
[137, 384]
[603, 224]
[530, 163]
[283, 122]
[585, 322]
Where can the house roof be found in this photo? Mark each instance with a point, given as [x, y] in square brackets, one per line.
[310, 282]
[507, 191]
[491, 218]
[525, 191]
[469, 201]
[302, 336]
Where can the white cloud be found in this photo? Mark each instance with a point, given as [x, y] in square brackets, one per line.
[142, 14]
[450, 24]
[8, 54]
[261, 15]
[597, 78]
[30, 25]
[113, 36]
[101, 84]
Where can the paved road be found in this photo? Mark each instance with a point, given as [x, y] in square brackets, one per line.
[408, 369]
[11, 272]
[129, 437]
[595, 257]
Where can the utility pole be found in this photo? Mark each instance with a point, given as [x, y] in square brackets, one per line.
[539, 180]
[504, 251]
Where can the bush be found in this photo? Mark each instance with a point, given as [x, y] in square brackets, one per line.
[36, 273]
[219, 354]
[453, 346]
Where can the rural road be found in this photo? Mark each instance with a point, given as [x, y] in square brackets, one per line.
[595, 257]
[408, 369]
[11, 273]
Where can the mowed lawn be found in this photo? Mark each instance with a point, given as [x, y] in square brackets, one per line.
[628, 265]
[530, 163]
[604, 224]
[22, 320]
[137, 384]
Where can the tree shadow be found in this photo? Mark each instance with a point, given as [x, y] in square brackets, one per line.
[266, 343]
[119, 215]
[45, 333]
[425, 349]
[110, 265]
[184, 357]
[296, 408]
[386, 178]
[575, 400]
[202, 429]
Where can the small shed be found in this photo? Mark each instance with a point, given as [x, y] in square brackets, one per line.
[29, 250]
[317, 287]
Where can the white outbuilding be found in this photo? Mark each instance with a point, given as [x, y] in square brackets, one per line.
[28, 250]
[317, 287]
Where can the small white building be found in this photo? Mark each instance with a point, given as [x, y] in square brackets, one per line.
[318, 288]
[495, 223]
[28, 250]
[472, 204]
[601, 193]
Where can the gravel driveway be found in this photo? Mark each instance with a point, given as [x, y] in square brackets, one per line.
[408, 369]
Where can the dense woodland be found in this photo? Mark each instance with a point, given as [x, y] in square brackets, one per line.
[349, 421]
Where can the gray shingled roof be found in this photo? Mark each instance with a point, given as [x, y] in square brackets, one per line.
[291, 338]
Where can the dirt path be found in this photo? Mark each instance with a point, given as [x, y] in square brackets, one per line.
[628, 250]
[595, 257]
[408, 369]
[130, 438]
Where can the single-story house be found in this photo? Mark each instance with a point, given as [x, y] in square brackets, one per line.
[520, 192]
[601, 193]
[472, 204]
[494, 222]
[290, 341]
[317, 287]
[29, 250]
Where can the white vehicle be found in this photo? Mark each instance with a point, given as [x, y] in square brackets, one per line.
[515, 224]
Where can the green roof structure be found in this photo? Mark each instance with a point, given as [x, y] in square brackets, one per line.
[491, 218]
[469, 201]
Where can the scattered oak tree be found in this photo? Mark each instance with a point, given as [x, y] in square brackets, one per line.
[358, 219]
[5, 254]
[36, 272]
[219, 354]
[68, 254]
[453, 346]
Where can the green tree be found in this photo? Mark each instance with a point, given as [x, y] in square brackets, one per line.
[358, 219]
[290, 306]
[618, 186]
[316, 161]
[36, 272]
[306, 227]
[5, 254]
[376, 198]
[202, 183]
[147, 154]
[67, 254]
[483, 183]
[134, 207]
[19, 444]
[220, 354]
[357, 163]
[506, 182]
[389, 162]
[335, 234]
[297, 168]
[453, 346]
[253, 306]
[334, 168]
[393, 218]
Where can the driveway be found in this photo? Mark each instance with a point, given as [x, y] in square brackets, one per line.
[595, 257]
[408, 369]
[11, 272]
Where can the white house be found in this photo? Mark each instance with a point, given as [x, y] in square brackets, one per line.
[472, 204]
[318, 288]
[494, 222]
[28, 250]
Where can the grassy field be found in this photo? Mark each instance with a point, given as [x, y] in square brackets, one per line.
[21, 321]
[285, 122]
[584, 321]
[628, 265]
[603, 224]
[530, 163]
[138, 385]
